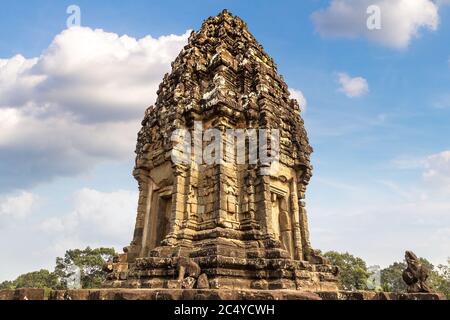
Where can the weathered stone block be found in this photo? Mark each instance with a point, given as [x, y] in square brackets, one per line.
[235, 294]
[188, 283]
[22, 294]
[203, 282]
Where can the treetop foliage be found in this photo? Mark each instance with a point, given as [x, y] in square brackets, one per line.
[88, 261]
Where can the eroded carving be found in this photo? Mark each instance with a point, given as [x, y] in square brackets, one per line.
[244, 229]
[415, 274]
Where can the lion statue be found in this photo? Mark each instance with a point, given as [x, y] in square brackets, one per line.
[415, 274]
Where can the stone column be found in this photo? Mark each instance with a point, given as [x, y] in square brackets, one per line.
[134, 250]
[303, 214]
[286, 227]
[298, 243]
[179, 199]
[264, 205]
[147, 212]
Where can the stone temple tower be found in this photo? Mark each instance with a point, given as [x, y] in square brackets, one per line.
[228, 224]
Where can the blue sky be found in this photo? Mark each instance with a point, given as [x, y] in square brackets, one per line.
[378, 114]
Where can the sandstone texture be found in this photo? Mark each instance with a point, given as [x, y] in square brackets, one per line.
[208, 294]
[237, 223]
[22, 294]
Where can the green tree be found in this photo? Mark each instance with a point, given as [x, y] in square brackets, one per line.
[391, 278]
[6, 285]
[353, 273]
[38, 279]
[89, 261]
[440, 279]
[42, 279]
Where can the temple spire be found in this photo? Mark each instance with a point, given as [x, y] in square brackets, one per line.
[234, 220]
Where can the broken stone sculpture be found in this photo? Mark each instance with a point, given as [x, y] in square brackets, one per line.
[415, 274]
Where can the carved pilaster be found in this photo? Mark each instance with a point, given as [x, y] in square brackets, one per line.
[178, 220]
[296, 225]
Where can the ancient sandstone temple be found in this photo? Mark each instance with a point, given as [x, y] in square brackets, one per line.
[228, 221]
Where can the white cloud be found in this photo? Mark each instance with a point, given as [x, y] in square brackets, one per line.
[437, 171]
[92, 218]
[300, 97]
[387, 218]
[352, 87]
[17, 206]
[407, 163]
[97, 216]
[77, 104]
[401, 20]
